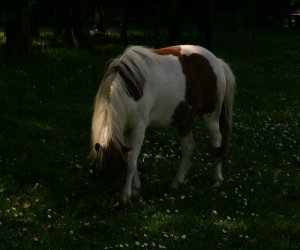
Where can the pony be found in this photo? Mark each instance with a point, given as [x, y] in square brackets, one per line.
[165, 87]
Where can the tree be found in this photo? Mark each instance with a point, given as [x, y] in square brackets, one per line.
[71, 22]
[99, 17]
[124, 25]
[17, 27]
[208, 23]
[176, 21]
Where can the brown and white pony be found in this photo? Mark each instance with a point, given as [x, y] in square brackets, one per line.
[165, 87]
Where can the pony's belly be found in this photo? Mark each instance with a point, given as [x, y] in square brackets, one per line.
[163, 122]
[162, 115]
[166, 102]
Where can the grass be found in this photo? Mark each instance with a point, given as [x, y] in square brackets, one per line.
[49, 201]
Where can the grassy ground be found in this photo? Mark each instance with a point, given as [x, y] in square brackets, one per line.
[47, 197]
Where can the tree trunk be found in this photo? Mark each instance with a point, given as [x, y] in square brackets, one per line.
[71, 22]
[289, 13]
[79, 23]
[124, 26]
[99, 19]
[208, 24]
[176, 21]
[17, 30]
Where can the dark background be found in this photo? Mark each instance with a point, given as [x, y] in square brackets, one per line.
[84, 23]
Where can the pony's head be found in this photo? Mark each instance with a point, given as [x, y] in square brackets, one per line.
[111, 165]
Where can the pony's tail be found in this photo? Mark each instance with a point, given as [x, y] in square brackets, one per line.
[225, 121]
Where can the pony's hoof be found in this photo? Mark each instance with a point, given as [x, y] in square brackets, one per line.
[113, 205]
[216, 183]
[174, 185]
[135, 191]
[126, 202]
[125, 199]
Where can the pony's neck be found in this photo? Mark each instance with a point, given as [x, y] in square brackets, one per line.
[118, 113]
[109, 117]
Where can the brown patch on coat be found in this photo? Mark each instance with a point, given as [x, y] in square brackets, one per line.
[182, 118]
[201, 88]
[173, 50]
[201, 82]
[132, 80]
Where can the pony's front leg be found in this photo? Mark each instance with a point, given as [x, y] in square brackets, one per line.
[136, 184]
[187, 147]
[135, 139]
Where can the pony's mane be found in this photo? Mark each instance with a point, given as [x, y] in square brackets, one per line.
[109, 111]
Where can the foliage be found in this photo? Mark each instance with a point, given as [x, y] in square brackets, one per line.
[6, 16]
[49, 201]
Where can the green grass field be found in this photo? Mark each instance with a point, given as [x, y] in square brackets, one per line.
[48, 199]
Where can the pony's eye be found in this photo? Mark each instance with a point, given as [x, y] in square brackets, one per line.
[98, 147]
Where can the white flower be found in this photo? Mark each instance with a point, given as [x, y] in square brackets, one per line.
[35, 238]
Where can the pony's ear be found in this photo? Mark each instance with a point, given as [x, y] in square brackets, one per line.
[98, 147]
[126, 149]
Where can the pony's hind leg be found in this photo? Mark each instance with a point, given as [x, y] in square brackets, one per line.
[188, 147]
[211, 122]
